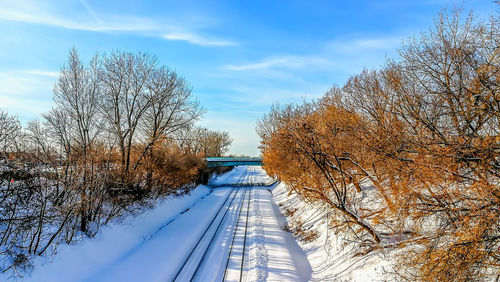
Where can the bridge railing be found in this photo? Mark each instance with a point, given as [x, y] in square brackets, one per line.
[245, 184]
[217, 162]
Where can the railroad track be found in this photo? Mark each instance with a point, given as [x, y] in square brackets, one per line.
[233, 262]
[236, 258]
[185, 271]
[242, 178]
[249, 175]
[191, 266]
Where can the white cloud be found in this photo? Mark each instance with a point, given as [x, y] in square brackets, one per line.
[260, 97]
[26, 92]
[198, 39]
[288, 62]
[364, 45]
[26, 82]
[27, 108]
[43, 73]
[90, 10]
[112, 24]
[29, 12]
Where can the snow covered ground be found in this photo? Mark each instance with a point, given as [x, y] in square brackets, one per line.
[274, 254]
[191, 237]
[329, 259]
[243, 176]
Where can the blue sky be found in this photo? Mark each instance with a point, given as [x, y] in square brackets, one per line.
[239, 56]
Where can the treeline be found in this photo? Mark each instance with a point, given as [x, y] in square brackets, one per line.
[407, 156]
[121, 135]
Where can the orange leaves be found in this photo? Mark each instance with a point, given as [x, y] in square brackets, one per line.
[413, 148]
[317, 149]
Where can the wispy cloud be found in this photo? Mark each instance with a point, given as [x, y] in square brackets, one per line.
[198, 39]
[26, 82]
[250, 98]
[51, 20]
[90, 10]
[43, 73]
[175, 30]
[288, 62]
[27, 108]
[26, 92]
[368, 44]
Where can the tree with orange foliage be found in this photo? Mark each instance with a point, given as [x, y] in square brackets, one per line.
[423, 132]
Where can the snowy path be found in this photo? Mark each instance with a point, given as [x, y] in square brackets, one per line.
[226, 234]
[274, 254]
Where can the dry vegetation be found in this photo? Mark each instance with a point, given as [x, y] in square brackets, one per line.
[121, 135]
[296, 227]
[407, 156]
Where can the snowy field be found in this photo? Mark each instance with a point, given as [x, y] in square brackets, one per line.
[212, 234]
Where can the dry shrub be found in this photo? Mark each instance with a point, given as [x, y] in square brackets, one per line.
[407, 157]
[304, 235]
[290, 212]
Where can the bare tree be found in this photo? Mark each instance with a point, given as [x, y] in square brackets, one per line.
[125, 98]
[10, 131]
[77, 93]
[171, 108]
[424, 131]
[202, 141]
[75, 123]
[271, 121]
[191, 140]
[107, 147]
[217, 143]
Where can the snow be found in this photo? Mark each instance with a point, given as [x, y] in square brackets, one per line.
[329, 259]
[213, 234]
[274, 254]
[75, 262]
[213, 267]
[155, 245]
[159, 258]
[244, 175]
[195, 259]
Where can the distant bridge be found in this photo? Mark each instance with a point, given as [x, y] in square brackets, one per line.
[215, 162]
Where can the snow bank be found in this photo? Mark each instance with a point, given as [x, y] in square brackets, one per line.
[73, 262]
[329, 260]
[152, 246]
